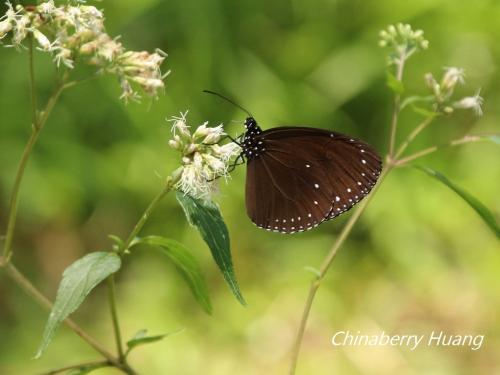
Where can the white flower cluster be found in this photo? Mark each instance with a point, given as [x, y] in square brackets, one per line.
[74, 33]
[403, 40]
[203, 159]
[443, 92]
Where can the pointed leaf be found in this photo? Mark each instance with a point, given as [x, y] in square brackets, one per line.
[424, 111]
[479, 207]
[415, 99]
[141, 338]
[185, 263]
[88, 368]
[77, 282]
[395, 84]
[207, 218]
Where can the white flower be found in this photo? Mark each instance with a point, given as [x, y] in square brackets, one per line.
[47, 8]
[78, 30]
[203, 162]
[214, 135]
[143, 68]
[202, 131]
[227, 152]
[128, 92]
[5, 27]
[451, 77]
[7, 21]
[21, 28]
[180, 125]
[43, 41]
[64, 56]
[471, 102]
[107, 48]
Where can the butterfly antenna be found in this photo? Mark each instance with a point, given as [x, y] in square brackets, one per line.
[228, 100]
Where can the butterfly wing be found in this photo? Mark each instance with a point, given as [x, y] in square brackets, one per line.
[305, 176]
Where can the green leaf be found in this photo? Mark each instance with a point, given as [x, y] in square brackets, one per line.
[141, 338]
[415, 99]
[77, 282]
[185, 263]
[479, 207]
[394, 84]
[207, 218]
[424, 111]
[118, 242]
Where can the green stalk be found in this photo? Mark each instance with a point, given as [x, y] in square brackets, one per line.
[171, 180]
[325, 266]
[38, 122]
[114, 317]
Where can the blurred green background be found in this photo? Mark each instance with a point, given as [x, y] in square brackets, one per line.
[419, 260]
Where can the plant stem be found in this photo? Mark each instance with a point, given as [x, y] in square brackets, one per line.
[36, 128]
[43, 301]
[325, 265]
[94, 364]
[430, 150]
[34, 105]
[413, 135]
[145, 216]
[114, 317]
[397, 103]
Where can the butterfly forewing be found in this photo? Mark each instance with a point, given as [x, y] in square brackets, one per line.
[304, 176]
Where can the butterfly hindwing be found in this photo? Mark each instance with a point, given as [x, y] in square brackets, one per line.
[304, 176]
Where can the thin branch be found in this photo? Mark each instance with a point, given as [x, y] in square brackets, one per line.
[413, 135]
[327, 262]
[114, 317]
[43, 301]
[430, 150]
[34, 105]
[147, 213]
[37, 126]
[94, 364]
[397, 104]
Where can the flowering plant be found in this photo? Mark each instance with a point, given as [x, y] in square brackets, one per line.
[76, 34]
[203, 159]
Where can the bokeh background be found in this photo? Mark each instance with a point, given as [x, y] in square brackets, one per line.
[419, 260]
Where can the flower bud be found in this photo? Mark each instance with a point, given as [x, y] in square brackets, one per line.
[5, 27]
[471, 102]
[175, 144]
[451, 77]
[190, 148]
[448, 110]
[433, 86]
[42, 40]
[201, 131]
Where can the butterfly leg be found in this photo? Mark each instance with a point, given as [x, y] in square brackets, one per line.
[237, 162]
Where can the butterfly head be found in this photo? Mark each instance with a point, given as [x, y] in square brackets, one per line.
[251, 126]
[250, 123]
